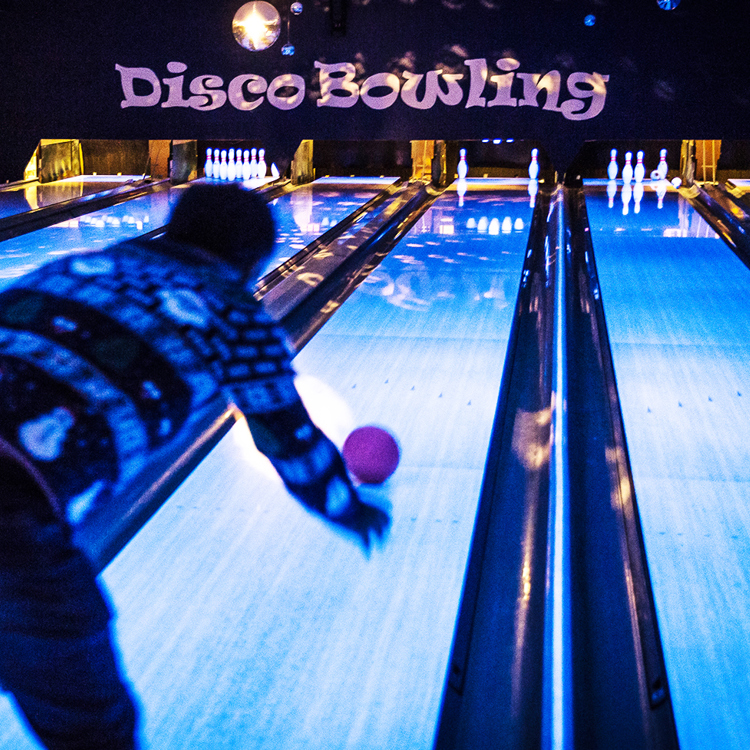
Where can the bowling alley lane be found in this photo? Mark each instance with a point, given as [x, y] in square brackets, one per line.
[31, 195]
[299, 221]
[302, 215]
[676, 301]
[244, 621]
[312, 209]
[86, 233]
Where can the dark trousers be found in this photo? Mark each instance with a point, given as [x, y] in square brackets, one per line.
[56, 652]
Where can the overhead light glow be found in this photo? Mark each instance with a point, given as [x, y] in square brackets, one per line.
[256, 25]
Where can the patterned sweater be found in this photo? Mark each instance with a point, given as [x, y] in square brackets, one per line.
[103, 357]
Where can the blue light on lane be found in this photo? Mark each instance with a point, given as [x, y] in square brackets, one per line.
[676, 301]
[455, 274]
[35, 195]
[301, 216]
[87, 233]
[310, 210]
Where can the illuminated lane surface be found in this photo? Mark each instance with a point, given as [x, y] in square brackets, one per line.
[40, 195]
[310, 210]
[677, 302]
[89, 232]
[302, 216]
[245, 621]
[184, 555]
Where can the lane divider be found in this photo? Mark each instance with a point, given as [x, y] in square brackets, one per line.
[557, 718]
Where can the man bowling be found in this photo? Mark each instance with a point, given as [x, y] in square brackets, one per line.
[102, 358]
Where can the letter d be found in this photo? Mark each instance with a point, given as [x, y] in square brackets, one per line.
[128, 76]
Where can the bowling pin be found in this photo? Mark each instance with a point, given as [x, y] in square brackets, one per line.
[246, 165]
[231, 165]
[507, 225]
[663, 167]
[463, 167]
[611, 192]
[534, 166]
[253, 163]
[238, 167]
[640, 171]
[208, 169]
[494, 226]
[274, 171]
[627, 194]
[261, 175]
[612, 168]
[627, 170]
[637, 197]
[223, 165]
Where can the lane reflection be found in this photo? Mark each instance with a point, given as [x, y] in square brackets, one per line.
[652, 207]
[455, 275]
[37, 195]
[309, 211]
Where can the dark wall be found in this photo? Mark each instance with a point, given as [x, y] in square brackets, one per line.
[392, 158]
[664, 75]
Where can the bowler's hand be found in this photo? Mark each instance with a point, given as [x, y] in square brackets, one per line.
[345, 508]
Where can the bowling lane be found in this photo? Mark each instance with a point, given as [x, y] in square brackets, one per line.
[32, 195]
[310, 210]
[246, 622]
[300, 217]
[676, 301]
[89, 232]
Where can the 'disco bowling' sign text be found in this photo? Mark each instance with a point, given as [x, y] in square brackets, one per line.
[576, 96]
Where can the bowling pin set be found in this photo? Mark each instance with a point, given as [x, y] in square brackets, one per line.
[636, 173]
[633, 178]
[463, 165]
[229, 165]
[463, 171]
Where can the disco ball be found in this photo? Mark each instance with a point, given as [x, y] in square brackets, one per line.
[256, 25]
